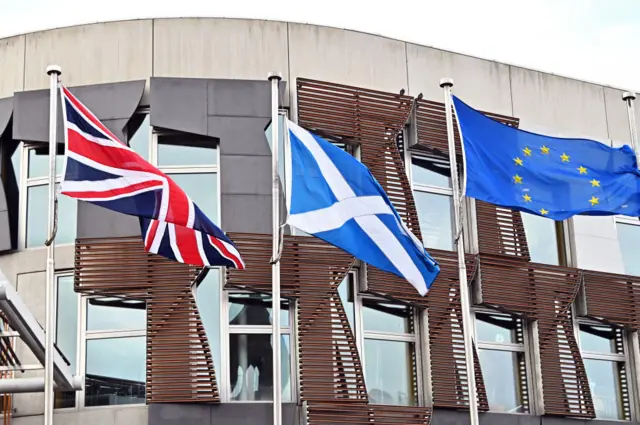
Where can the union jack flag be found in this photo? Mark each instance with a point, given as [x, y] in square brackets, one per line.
[102, 170]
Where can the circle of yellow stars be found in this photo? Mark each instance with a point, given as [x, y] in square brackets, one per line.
[564, 158]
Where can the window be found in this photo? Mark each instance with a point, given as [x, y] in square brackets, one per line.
[103, 339]
[431, 181]
[629, 239]
[387, 341]
[603, 353]
[545, 239]
[501, 349]
[34, 199]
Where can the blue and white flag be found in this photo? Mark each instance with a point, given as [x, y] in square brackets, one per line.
[332, 196]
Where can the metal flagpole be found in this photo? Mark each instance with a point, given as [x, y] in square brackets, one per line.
[446, 84]
[54, 72]
[629, 98]
[275, 256]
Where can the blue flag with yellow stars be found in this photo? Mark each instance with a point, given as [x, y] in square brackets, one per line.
[548, 176]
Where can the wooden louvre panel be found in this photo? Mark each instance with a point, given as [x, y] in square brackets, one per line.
[544, 293]
[180, 366]
[613, 298]
[331, 414]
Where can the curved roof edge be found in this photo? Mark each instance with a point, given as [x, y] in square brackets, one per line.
[602, 84]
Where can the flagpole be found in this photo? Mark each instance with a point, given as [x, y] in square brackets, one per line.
[629, 98]
[54, 72]
[275, 254]
[467, 323]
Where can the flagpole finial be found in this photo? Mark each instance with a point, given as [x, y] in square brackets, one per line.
[446, 82]
[628, 95]
[274, 75]
[54, 69]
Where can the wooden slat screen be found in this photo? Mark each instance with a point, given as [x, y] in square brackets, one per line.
[179, 362]
[331, 414]
[613, 298]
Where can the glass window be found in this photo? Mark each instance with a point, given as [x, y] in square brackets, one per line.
[542, 238]
[431, 178]
[435, 213]
[208, 302]
[251, 309]
[107, 314]
[115, 371]
[389, 372]
[629, 238]
[185, 150]
[139, 141]
[37, 211]
[251, 367]
[67, 333]
[386, 317]
[501, 351]
[38, 162]
[602, 349]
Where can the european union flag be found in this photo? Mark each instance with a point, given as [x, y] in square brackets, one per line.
[548, 176]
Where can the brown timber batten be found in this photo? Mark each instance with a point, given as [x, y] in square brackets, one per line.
[180, 366]
[613, 298]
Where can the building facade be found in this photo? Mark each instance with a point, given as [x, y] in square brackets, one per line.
[555, 314]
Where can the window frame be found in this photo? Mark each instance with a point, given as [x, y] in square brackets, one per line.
[525, 348]
[24, 184]
[625, 358]
[361, 334]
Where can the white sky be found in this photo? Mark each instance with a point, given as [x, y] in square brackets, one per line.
[594, 40]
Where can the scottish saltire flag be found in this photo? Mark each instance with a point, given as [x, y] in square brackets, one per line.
[548, 176]
[102, 170]
[332, 196]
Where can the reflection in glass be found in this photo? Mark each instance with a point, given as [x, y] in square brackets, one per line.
[598, 338]
[115, 371]
[389, 372]
[604, 381]
[208, 302]
[37, 210]
[346, 296]
[255, 310]
[542, 239]
[502, 379]
[251, 367]
[202, 188]
[16, 161]
[629, 237]
[139, 142]
[431, 172]
[385, 317]
[496, 327]
[435, 215]
[184, 150]
[67, 334]
[112, 314]
[38, 165]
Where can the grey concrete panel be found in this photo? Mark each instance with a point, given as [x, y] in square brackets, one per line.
[12, 59]
[113, 102]
[6, 109]
[5, 228]
[617, 119]
[246, 213]
[240, 98]
[220, 414]
[240, 135]
[551, 420]
[98, 222]
[179, 104]
[245, 175]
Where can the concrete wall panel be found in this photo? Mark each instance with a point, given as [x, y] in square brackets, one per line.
[347, 57]
[219, 48]
[12, 62]
[482, 84]
[617, 118]
[558, 106]
[90, 54]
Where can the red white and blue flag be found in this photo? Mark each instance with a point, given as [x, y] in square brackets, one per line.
[102, 170]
